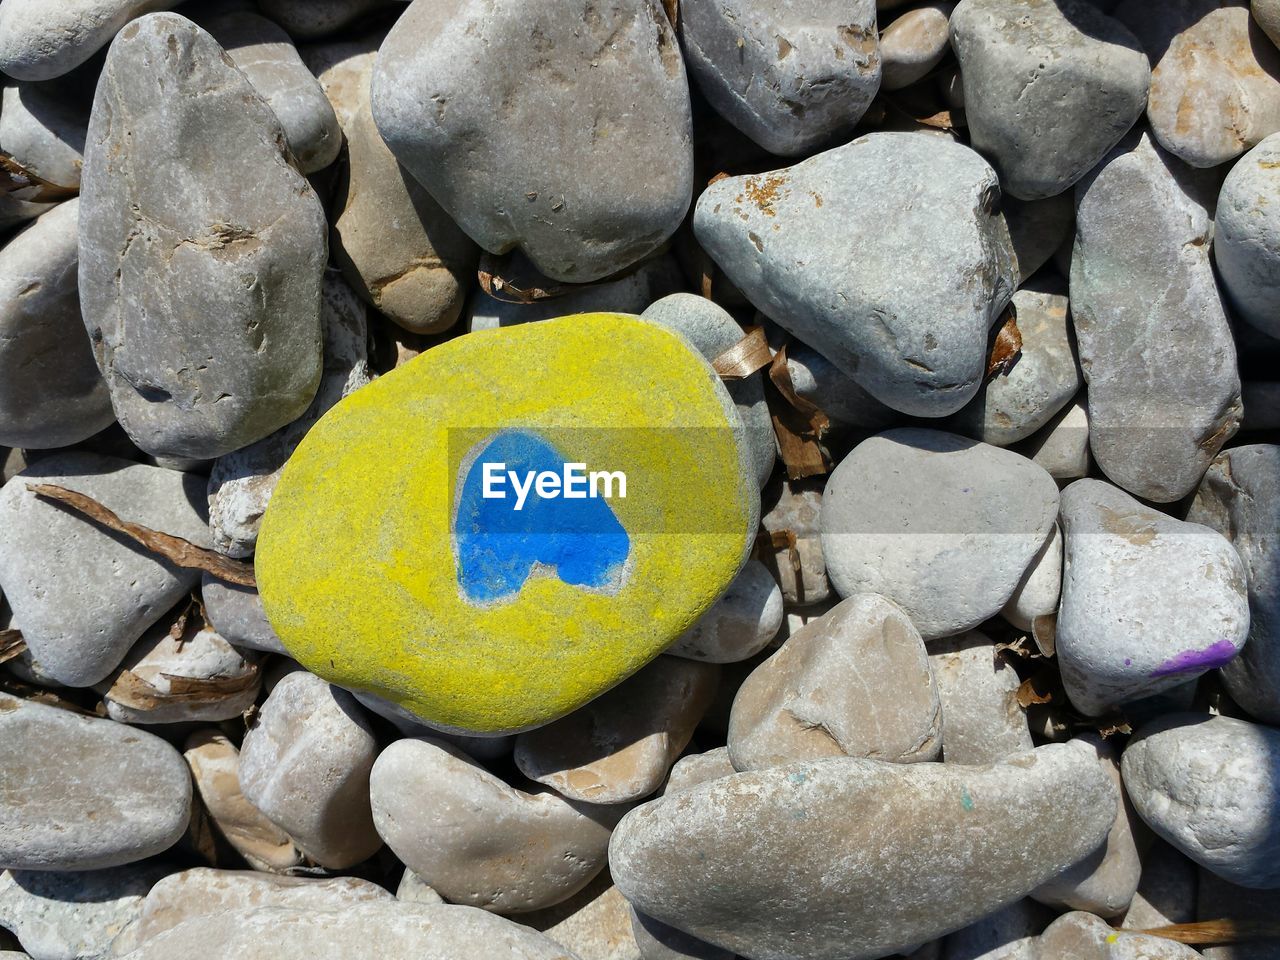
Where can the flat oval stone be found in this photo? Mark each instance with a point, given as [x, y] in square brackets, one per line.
[826, 251]
[202, 248]
[457, 88]
[1035, 600]
[914, 44]
[122, 794]
[1207, 785]
[982, 721]
[875, 857]
[487, 619]
[1246, 236]
[39, 41]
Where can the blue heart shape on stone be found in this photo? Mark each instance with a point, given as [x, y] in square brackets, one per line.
[498, 546]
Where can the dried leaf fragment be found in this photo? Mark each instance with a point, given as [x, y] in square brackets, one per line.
[745, 357]
[1032, 691]
[12, 645]
[1007, 348]
[798, 423]
[14, 177]
[132, 691]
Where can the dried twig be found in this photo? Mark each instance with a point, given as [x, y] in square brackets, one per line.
[492, 283]
[745, 357]
[12, 645]
[181, 553]
[15, 177]
[778, 540]
[1218, 931]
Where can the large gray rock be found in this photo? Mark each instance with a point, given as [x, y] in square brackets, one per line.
[82, 793]
[1207, 785]
[43, 126]
[1148, 601]
[1154, 343]
[1246, 236]
[39, 40]
[943, 526]
[982, 721]
[931, 848]
[831, 254]
[202, 248]
[855, 682]
[562, 128]
[1240, 498]
[82, 594]
[51, 393]
[1049, 87]
[787, 75]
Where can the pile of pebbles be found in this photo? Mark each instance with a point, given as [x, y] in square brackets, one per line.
[1001, 676]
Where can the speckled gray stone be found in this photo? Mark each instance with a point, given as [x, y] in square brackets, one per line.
[43, 126]
[828, 253]
[1049, 87]
[81, 594]
[122, 794]
[1246, 237]
[51, 393]
[478, 841]
[1267, 15]
[560, 127]
[1240, 498]
[788, 75]
[1207, 785]
[943, 526]
[1148, 601]
[1083, 936]
[39, 41]
[1153, 340]
[740, 624]
[982, 721]
[946, 842]
[236, 613]
[199, 276]
[856, 682]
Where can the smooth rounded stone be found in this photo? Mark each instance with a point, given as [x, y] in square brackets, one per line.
[1061, 446]
[1035, 600]
[305, 764]
[740, 624]
[913, 44]
[203, 892]
[1017, 402]
[1152, 336]
[856, 682]
[478, 841]
[1104, 882]
[1246, 236]
[620, 746]
[236, 613]
[609, 177]
[1266, 13]
[657, 941]
[1084, 936]
[1240, 498]
[43, 126]
[1007, 934]
[82, 594]
[148, 686]
[68, 915]
[1166, 890]
[39, 41]
[943, 526]
[14, 209]
[1038, 228]
[825, 251]
[525, 621]
[712, 331]
[381, 928]
[818, 380]
[695, 768]
[1207, 786]
[789, 76]
[215, 767]
[599, 929]
[949, 848]
[344, 69]
[800, 570]
[309, 19]
[208, 330]
[393, 242]
[1049, 87]
[982, 721]
[122, 794]
[267, 57]
[241, 482]
[1215, 79]
[1148, 601]
[413, 890]
[411, 725]
[51, 393]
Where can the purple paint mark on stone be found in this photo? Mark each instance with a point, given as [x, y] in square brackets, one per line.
[1128, 662]
[1188, 660]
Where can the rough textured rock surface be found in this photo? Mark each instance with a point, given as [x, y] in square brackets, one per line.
[825, 251]
[1246, 236]
[199, 275]
[855, 682]
[1154, 343]
[39, 41]
[789, 76]
[943, 526]
[982, 721]
[608, 73]
[709, 860]
[1062, 445]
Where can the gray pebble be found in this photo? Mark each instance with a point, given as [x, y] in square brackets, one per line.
[1037, 228]
[1061, 446]
[695, 768]
[39, 41]
[43, 126]
[411, 725]
[1035, 600]
[1083, 936]
[982, 721]
[818, 380]
[1246, 237]
[740, 624]
[827, 252]
[799, 568]
[593, 924]
[657, 941]
[236, 613]
[913, 44]
[1266, 13]
[344, 69]
[412, 890]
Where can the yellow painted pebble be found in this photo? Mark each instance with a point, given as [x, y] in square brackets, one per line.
[398, 555]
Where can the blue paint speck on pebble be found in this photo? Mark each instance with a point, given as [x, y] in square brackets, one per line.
[966, 801]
